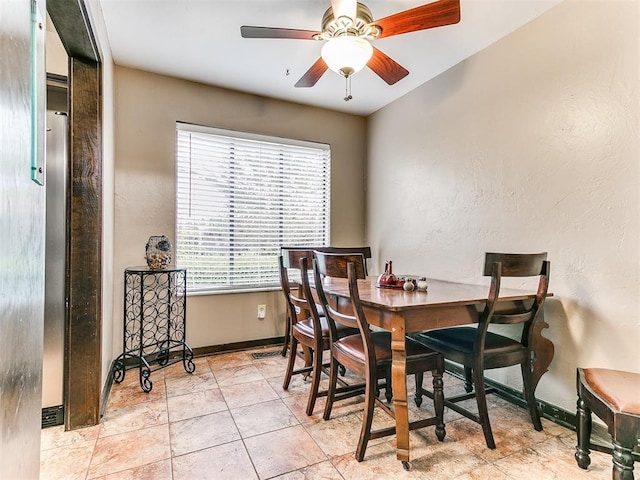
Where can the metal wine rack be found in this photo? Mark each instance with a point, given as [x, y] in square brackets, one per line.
[154, 323]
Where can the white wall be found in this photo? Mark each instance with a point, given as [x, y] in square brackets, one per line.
[146, 109]
[530, 145]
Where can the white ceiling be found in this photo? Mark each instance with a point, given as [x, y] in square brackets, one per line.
[200, 40]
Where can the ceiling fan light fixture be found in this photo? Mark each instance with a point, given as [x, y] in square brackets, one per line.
[347, 54]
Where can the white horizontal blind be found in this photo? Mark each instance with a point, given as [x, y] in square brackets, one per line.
[240, 197]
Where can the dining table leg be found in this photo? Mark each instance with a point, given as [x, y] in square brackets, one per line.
[399, 386]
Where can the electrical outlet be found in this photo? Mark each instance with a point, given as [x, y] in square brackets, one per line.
[262, 312]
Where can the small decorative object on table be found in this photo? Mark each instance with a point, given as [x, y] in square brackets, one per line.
[387, 279]
[408, 285]
[422, 284]
[158, 252]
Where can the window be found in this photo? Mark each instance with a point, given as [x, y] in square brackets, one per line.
[240, 197]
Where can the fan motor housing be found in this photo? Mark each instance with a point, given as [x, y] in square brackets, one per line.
[359, 27]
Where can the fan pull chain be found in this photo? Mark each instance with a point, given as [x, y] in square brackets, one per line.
[347, 88]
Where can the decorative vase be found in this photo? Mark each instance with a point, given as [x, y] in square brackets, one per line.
[158, 252]
[422, 284]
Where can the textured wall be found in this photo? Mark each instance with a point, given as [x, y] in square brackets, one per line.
[147, 107]
[530, 145]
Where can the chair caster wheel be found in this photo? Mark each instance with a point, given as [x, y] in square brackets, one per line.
[406, 465]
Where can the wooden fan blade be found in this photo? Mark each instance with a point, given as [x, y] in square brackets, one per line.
[386, 68]
[344, 8]
[312, 76]
[436, 14]
[271, 32]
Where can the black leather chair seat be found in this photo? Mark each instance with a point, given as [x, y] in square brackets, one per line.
[462, 338]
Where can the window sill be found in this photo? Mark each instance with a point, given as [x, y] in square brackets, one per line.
[231, 291]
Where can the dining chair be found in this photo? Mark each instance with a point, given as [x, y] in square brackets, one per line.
[292, 256]
[614, 396]
[306, 321]
[368, 353]
[478, 349]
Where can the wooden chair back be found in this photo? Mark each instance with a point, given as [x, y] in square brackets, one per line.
[351, 267]
[292, 255]
[298, 305]
[498, 265]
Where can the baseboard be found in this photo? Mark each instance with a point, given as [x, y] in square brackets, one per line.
[106, 390]
[237, 346]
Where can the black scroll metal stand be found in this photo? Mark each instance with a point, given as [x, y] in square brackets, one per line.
[154, 322]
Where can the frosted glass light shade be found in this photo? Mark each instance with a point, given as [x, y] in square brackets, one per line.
[346, 55]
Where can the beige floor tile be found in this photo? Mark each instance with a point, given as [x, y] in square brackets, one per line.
[198, 381]
[229, 462]
[320, 471]
[547, 461]
[204, 438]
[195, 404]
[70, 462]
[271, 367]
[263, 417]
[438, 460]
[129, 450]
[54, 437]
[337, 436]
[154, 471]
[236, 375]
[298, 405]
[229, 360]
[560, 451]
[380, 463]
[509, 437]
[177, 369]
[297, 386]
[134, 417]
[282, 451]
[486, 472]
[248, 393]
[202, 432]
[129, 391]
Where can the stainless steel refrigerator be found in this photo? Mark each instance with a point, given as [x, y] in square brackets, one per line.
[55, 258]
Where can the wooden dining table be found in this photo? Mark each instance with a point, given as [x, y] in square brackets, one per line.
[444, 304]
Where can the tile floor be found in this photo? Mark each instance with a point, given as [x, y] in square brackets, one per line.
[231, 419]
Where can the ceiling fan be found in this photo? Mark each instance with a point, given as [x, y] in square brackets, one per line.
[347, 28]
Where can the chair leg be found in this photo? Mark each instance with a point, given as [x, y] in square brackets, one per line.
[438, 403]
[331, 393]
[483, 412]
[316, 373]
[388, 391]
[622, 462]
[290, 363]
[287, 332]
[468, 379]
[583, 430]
[529, 395]
[419, 390]
[308, 357]
[367, 420]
